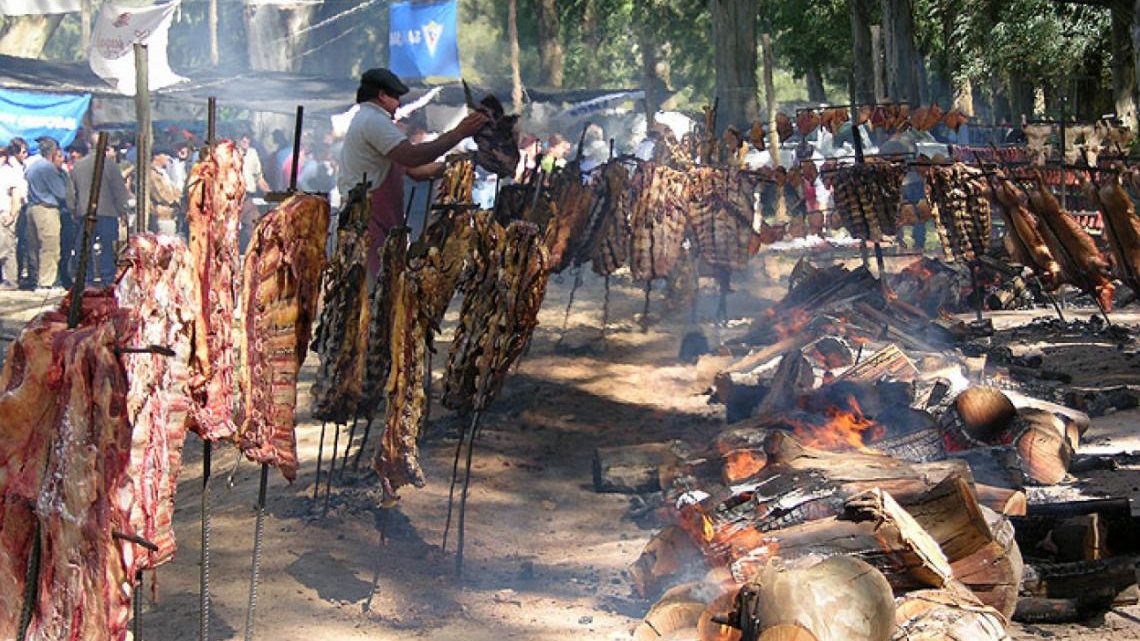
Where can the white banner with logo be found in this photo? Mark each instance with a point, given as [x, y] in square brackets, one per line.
[37, 7]
[112, 52]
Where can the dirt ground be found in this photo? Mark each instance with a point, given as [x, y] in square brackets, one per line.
[546, 556]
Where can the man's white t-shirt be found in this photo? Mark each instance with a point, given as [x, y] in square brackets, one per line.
[371, 135]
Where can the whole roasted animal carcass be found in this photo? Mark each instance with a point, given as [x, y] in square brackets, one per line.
[342, 331]
[280, 286]
[215, 193]
[1081, 262]
[1122, 229]
[1023, 238]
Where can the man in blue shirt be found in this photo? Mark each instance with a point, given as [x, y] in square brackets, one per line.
[47, 204]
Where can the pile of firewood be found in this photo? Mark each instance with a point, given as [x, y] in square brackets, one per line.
[912, 496]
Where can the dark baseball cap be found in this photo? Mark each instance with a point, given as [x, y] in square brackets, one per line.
[384, 80]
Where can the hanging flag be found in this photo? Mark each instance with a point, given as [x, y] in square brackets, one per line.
[29, 115]
[37, 7]
[422, 39]
[117, 29]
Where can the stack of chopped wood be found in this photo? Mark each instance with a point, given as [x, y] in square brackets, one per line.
[884, 475]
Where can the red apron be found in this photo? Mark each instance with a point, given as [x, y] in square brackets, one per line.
[387, 202]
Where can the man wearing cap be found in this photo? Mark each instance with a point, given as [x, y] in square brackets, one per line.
[377, 151]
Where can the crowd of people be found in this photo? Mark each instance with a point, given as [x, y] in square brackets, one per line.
[43, 195]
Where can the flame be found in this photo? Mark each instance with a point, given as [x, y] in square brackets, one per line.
[845, 429]
[743, 464]
[707, 529]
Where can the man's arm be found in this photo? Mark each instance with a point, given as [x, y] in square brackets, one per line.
[426, 172]
[410, 155]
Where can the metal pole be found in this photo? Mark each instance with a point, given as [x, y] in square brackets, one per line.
[258, 535]
[463, 496]
[142, 139]
[204, 561]
[320, 456]
[297, 125]
[76, 308]
[212, 20]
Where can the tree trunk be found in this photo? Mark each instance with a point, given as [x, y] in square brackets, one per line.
[26, 36]
[734, 32]
[815, 89]
[863, 68]
[649, 79]
[880, 74]
[516, 70]
[589, 26]
[276, 39]
[899, 33]
[549, 45]
[1123, 65]
[85, 25]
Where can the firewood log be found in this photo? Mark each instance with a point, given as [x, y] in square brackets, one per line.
[668, 557]
[674, 616]
[1007, 501]
[979, 416]
[631, 469]
[873, 527]
[839, 599]
[1114, 516]
[941, 615]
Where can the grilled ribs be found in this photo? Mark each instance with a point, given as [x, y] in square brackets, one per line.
[280, 284]
[215, 191]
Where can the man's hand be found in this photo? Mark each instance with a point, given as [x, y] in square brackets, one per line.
[472, 123]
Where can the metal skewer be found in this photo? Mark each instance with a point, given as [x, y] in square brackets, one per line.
[258, 535]
[463, 497]
[207, 446]
[320, 455]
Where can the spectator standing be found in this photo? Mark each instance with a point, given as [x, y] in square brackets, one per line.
[13, 195]
[47, 206]
[112, 208]
[179, 169]
[165, 197]
[254, 176]
[557, 148]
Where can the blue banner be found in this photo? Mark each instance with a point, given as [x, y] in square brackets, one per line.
[422, 39]
[31, 115]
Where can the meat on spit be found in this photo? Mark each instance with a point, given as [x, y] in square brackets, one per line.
[64, 475]
[156, 282]
[215, 192]
[657, 221]
[1081, 262]
[342, 331]
[280, 286]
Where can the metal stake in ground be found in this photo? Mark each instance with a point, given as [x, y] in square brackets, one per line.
[204, 561]
[570, 303]
[320, 455]
[451, 490]
[463, 497]
[258, 535]
[348, 446]
[605, 306]
[332, 469]
[363, 443]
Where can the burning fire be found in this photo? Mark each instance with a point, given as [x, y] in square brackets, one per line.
[845, 429]
[742, 464]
